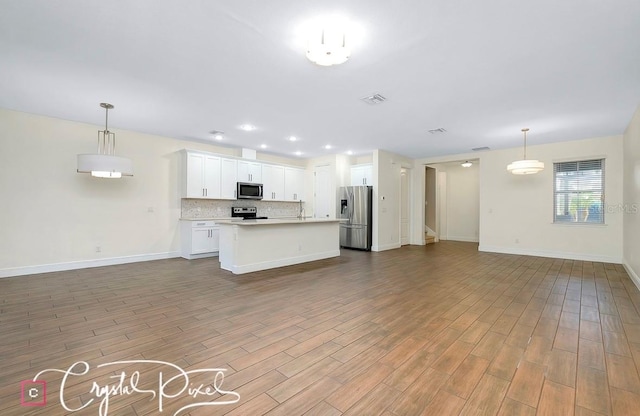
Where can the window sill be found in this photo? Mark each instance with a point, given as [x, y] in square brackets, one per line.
[580, 224]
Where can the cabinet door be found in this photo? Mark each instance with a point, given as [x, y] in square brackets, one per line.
[294, 184]
[195, 175]
[361, 175]
[273, 181]
[211, 177]
[229, 178]
[201, 240]
[249, 171]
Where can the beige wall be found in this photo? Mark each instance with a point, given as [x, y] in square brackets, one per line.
[631, 200]
[386, 199]
[462, 201]
[516, 212]
[521, 207]
[53, 218]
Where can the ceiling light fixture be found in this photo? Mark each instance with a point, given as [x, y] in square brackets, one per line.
[218, 135]
[349, 152]
[298, 153]
[247, 127]
[525, 166]
[328, 146]
[263, 146]
[104, 163]
[327, 42]
[466, 164]
[293, 138]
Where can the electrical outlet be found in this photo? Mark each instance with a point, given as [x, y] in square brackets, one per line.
[98, 249]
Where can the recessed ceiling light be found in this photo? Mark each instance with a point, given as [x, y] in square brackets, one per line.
[298, 153]
[328, 146]
[247, 127]
[263, 146]
[349, 152]
[293, 138]
[218, 135]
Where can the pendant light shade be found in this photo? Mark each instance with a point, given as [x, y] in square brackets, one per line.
[104, 163]
[525, 166]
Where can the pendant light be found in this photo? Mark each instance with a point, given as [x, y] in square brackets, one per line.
[104, 163]
[525, 166]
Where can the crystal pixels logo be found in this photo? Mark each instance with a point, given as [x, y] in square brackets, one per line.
[33, 393]
[167, 382]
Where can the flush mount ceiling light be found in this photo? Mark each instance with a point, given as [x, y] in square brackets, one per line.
[104, 163]
[263, 146]
[466, 164]
[328, 42]
[328, 147]
[525, 166]
[293, 138]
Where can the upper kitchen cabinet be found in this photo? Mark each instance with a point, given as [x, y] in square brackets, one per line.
[229, 175]
[273, 182]
[249, 171]
[362, 175]
[294, 184]
[202, 177]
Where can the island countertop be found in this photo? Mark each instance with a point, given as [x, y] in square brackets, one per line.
[252, 245]
[276, 221]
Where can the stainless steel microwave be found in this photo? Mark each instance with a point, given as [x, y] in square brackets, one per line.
[248, 190]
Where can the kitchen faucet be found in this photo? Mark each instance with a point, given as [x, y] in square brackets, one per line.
[301, 211]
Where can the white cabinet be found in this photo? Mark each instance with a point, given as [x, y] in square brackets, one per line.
[202, 178]
[361, 175]
[249, 171]
[273, 180]
[199, 239]
[294, 184]
[229, 178]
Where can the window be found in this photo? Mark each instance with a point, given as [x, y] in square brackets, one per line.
[579, 192]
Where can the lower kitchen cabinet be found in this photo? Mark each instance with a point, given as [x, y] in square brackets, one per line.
[199, 239]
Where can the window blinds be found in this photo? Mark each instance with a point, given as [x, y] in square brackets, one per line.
[579, 191]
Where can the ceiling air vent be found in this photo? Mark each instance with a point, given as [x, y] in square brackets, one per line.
[437, 131]
[480, 149]
[374, 99]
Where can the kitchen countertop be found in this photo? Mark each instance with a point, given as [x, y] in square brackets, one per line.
[275, 221]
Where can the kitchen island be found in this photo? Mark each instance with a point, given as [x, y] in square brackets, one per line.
[252, 245]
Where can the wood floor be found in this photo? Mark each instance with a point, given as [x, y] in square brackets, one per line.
[433, 330]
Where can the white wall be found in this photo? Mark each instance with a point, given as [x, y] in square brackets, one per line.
[53, 218]
[516, 212]
[631, 200]
[386, 199]
[462, 202]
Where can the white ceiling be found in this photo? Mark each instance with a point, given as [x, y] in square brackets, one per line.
[482, 70]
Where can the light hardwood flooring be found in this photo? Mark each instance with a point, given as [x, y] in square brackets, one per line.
[435, 330]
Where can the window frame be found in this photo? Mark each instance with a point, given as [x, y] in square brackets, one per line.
[581, 190]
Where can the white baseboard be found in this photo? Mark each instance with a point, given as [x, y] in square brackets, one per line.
[462, 238]
[272, 264]
[632, 274]
[551, 254]
[385, 247]
[83, 264]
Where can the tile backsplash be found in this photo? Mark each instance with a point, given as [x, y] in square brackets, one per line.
[214, 208]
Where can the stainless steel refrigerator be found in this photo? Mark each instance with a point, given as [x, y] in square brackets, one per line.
[355, 205]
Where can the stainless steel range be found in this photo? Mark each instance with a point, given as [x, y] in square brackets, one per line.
[246, 213]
